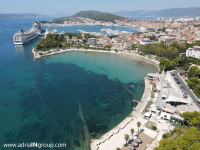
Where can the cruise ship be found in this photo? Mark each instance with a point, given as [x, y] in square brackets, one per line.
[22, 37]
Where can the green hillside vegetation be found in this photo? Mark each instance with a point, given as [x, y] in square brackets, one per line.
[99, 16]
[194, 80]
[95, 15]
[183, 137]
[169, 55]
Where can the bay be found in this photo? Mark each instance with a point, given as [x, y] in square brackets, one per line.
[53, 99]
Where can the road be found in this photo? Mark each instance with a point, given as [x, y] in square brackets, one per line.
[195, 100]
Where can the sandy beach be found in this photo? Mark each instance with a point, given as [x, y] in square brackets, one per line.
[129, 54]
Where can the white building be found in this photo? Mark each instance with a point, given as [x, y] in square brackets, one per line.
[146, 41]
[166, 113]
[171, 20]
[143, 29]
[193, 52]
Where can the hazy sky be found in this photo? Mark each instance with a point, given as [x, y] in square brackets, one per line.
[68, 7]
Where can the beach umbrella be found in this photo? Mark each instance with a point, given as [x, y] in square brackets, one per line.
[131, 147]
[135, 144]
[138, 140]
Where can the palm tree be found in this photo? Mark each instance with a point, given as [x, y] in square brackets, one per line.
[126, 137]
[138, 124]
[132, 131]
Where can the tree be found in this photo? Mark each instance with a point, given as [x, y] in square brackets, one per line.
[126, 137]
[153, 37]
[138, 124]
[167, 144]
[192, 82]
[179, 61]
[132, 131]
[133, 46]
[118, 148]
[164, 29]
[189, 140]
[197, 90]
[195, 146]
[192, 118]
[191, 72]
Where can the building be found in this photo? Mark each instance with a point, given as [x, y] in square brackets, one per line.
[193, 52]
[171, 20]
[146, 41]
[143, 29]
[92, 41]
[166, 113]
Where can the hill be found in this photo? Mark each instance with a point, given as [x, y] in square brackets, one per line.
[96, 15]
[173, 12]
[91, 14]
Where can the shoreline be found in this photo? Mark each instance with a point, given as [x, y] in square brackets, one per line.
[129, 54]
[68, 25]
[102, 143]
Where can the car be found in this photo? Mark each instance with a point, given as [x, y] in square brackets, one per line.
[172, 74]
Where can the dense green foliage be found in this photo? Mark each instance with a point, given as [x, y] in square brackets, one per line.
[99, 16]
[194, 79]
[60, 41]
[52, 40]
[186, 140]
[190, 140]
[169, 55]
[192, 118]
[161, 50]
[153, 37]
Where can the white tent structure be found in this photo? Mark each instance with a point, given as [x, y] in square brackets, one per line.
[177, 100]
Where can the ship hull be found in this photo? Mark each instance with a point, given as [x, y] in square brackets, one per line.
[21, 37]
[26, 41]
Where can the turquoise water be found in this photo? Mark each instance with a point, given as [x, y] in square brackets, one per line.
[58, 98]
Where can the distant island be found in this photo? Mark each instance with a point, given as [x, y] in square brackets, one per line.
[25, 15]
[172, 12]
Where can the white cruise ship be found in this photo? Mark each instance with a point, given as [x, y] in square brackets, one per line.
[22, 37]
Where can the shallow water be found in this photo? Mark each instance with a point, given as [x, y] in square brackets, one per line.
[44, 101]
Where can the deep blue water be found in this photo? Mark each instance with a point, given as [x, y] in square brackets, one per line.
[44, 101]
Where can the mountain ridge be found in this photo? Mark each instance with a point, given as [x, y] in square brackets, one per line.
[171, 12]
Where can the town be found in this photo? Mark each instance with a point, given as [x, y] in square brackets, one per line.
[180, 30]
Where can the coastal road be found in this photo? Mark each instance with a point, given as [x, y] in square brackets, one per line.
[195, 100]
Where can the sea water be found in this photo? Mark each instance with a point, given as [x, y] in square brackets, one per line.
[63, 98]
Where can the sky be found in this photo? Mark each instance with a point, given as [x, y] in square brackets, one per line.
[69, 7]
